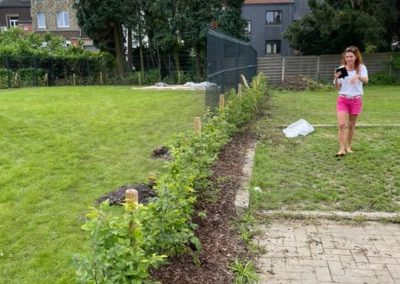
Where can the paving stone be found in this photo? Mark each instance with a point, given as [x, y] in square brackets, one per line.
[323, 274]
[330, 252]
[394, 270]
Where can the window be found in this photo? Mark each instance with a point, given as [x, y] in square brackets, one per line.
[62, 19]
[273, 17]
[272, 46]
[41, 20]
[12, 21]
[247, 28]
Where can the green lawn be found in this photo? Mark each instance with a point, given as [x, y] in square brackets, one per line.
[60, 149]
[302, 173]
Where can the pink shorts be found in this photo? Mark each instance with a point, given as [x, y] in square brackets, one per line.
[350, 105]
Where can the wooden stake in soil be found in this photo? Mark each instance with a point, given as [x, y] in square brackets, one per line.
[240, 87]
[131, 196]
[101, 78]
[197, 125]
[46, 79]
[221, 102]
[16, 80]
[74, 79]
[244, 81]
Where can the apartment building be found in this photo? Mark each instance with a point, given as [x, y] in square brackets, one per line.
[59, 18]
[267, 20]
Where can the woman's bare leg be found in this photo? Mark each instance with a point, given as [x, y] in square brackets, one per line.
[351, 131]
[342, 119]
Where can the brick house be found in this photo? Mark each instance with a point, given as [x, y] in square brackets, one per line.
[268, 19]
[15, 13]
[59, 18]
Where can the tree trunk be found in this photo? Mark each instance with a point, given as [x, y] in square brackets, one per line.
[199, 67]
[141, 55]
[130, 54]
[177, 63]
[119, 50]
[158, 58]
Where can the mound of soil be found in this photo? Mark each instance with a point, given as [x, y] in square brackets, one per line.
[221, 243]
[300, 83]
[117, 197]
[161, 152]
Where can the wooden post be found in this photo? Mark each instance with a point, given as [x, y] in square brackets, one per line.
[101, 78]
[140, 78]
[46, 79]
[221, 102]
[240, 87]
[132, 196]
[16, 81]
[74, 79]
[197, 125]
[244, 81]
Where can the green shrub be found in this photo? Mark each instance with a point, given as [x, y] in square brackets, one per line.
[140, 238]
[117, 247]
[383, 79]
[396, 61]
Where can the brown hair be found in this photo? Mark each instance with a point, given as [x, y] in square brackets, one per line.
[353, 49]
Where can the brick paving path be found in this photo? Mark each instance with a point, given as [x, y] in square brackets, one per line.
[321, 251]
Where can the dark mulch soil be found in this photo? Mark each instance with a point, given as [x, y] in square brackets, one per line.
[161, 152]
[220, 241]
[117, 197]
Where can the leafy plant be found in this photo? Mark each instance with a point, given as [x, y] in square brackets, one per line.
[117, 243]
[245, 272]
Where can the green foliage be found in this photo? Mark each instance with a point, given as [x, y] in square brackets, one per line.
[383, 79]
[396, 61]
[333, 25]
[117, 247]
[230, 20]
[245, 273]
[165, 224]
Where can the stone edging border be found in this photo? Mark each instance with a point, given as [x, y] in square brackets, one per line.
[242, 198]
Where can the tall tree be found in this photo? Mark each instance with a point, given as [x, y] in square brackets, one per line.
[199, 15]
[230, 20]
[333, 25]
[168, 20]
[102, 21]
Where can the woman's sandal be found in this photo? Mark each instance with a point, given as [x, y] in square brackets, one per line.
[340, 154]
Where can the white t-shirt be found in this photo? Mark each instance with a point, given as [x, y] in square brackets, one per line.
[349, 89]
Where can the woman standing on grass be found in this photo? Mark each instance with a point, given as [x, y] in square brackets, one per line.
[349, 81]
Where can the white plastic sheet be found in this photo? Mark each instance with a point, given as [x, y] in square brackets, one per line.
[300, 127]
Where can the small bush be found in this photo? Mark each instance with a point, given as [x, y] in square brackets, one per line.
[383, 79]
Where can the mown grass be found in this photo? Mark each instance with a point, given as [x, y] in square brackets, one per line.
[302, 173]
[61, 148]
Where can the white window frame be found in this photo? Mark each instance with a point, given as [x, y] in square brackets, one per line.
[275, 14]
[273, 46]
[12, 23]
[41, 24]
[63, 19]
[247, 29]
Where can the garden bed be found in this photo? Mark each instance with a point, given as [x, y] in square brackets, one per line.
[220, 241]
